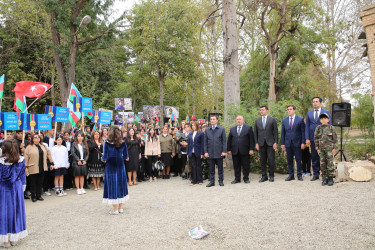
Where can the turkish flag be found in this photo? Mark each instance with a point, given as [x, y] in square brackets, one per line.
[31, 89]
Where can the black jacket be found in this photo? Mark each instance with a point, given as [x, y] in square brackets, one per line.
[267, 135]
[241, 144]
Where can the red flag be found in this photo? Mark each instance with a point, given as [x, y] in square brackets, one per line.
[193, 118]
[31, 89]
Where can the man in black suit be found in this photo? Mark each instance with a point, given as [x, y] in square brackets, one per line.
[215, 149]
[265, 133]
[241, 146]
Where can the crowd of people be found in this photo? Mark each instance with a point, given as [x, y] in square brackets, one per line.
[117, 158]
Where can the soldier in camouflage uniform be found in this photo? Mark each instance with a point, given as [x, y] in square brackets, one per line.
[325, 139]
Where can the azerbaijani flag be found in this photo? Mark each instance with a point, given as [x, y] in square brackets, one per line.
[74, 117]
[136, 118]
[2, 86]
[173, 117]
[187, 118]
[19, 103]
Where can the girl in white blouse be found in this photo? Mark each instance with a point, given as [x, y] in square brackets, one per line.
[60, 157]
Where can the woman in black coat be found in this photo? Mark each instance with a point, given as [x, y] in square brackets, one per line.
[134, 152]
[94, 163]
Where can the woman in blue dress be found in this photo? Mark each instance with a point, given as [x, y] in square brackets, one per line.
[12, 203]
[115, 183]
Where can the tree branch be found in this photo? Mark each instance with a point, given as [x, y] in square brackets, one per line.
[78, 8]
[98, 36]
[207, 19]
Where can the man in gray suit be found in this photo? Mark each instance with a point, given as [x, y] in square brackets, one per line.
[215, 149]
[265, 134]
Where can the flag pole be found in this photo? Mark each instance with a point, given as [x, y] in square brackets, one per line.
[54, 136]
[5, 136]
[34, 101]
[1, 103]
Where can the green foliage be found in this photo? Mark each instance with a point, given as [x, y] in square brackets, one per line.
[362, 113]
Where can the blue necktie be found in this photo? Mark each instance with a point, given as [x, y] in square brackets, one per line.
[264, 122]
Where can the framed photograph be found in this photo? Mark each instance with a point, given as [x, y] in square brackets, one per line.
[123, 104]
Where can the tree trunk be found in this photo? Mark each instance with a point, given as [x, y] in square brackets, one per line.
[231, 69]
[272, 88]
[64, 88]
[53, 89]
[161, 76]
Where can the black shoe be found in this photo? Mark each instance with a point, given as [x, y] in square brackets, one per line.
[167, 176]
[324, 181]
[315, 178]
[33, 198]
[26, 197]
[290, 178]
[184, 177]
[300, 178]
[164, 177]
[210, 184]
[235, 182]
[221, 184]
[246, 181]
[39, 198]
[272, 179]
[330, 181]
[263, 179]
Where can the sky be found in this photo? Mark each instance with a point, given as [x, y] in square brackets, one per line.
[121, 5]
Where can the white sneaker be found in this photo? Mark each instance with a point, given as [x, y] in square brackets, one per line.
[114, 212]
[83, 191]
[47, 193]
[79, 191]
[121, 210]
[65, 194]
[59, 194]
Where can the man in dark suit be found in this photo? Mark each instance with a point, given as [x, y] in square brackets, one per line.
[241, 146]
[215, 149]
[312, 121]
[293, 141]
[265, 134]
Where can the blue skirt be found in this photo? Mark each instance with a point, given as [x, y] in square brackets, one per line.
[60, 171]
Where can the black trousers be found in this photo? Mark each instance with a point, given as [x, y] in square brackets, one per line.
[306, 160]
[36, 184]
[68, 179]
[183, 162]
[267, 153]
[220, 169]
[244, 161]
[150, 160]
[48, 182]
[141, 169]
[196, 165]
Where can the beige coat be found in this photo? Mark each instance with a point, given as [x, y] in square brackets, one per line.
[152, 147]
[166, 144]
[31, 155]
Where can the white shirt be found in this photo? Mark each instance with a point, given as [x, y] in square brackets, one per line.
[319, 110]
[265, 120]
[194, 134]
[60, 156]
[51, 143]
[293, 117]
[80, 148]
[68, 143]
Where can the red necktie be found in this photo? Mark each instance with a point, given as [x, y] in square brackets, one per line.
[291, 122]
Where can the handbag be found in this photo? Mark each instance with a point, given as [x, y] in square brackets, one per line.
[159, 165]
[187, 166]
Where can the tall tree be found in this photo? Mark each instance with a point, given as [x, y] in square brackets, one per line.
[163, 38]
[67, 23]
[277, 19]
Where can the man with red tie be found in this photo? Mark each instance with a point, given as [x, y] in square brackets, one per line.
[293, 141]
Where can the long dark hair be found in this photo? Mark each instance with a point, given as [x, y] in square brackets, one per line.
[10, 151]
[92, 136]
[154, 137]
[128, 137]
[83, 140]
[115, 136]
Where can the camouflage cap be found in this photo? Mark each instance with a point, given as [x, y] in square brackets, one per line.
[323, 115]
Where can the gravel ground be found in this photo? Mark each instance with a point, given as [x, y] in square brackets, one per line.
[159, 215]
